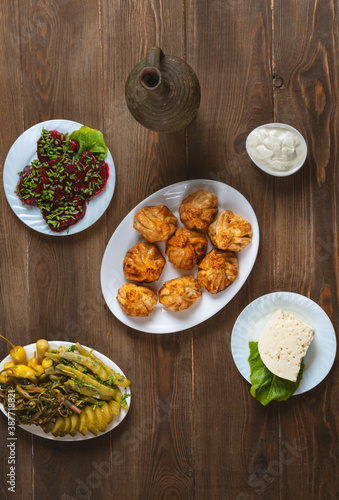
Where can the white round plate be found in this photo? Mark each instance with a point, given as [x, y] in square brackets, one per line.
[321, 353]
[125, 236]
[22, 153]
[37, 431]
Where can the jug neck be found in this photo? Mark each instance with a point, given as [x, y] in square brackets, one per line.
[151, 78]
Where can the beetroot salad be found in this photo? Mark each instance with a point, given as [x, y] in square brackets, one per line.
[69, 171]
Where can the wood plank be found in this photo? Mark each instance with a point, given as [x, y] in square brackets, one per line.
[62, 79]
[235, 75]
[155, 442]
[14, 310]
[307, 63]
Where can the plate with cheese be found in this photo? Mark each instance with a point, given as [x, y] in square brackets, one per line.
[291, 330]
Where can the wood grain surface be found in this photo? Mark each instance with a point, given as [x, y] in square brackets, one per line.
[193, 430]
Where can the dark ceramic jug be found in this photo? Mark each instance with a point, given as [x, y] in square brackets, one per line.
[163, 92]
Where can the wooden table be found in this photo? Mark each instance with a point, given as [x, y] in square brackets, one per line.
[193, 431]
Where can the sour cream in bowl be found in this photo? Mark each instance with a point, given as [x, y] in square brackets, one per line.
[277, 149]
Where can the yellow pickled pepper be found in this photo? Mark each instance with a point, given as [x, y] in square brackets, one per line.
[33, 362]
[39, 370]
[9, 364]
[41, 348]
[47, 363]
[18, 353]
[4, 378]
[21, 371]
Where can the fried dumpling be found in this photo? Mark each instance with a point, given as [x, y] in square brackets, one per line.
[143, 263]
[180, 293]
[136, 300]
[198, 209]
[186, 248]
[230, 231]
[218, 270]
[156, 223]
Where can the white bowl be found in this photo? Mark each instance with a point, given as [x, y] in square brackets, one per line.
[272, 170]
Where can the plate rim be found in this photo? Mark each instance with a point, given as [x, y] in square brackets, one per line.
[298, 302]
[188, 182]
[7, 184]
[78, 437]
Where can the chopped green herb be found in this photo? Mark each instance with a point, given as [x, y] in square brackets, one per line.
[123, 398]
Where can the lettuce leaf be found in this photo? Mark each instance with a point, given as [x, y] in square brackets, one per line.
[265, 386]
[92, 140]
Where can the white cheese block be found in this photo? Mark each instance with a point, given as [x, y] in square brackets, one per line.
[283, 343]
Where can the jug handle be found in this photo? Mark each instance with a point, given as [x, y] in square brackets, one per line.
[150, 77]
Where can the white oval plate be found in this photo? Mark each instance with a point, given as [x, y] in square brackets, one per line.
[125, 236]
[22, 152]
[321, 353]
[37, 431]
